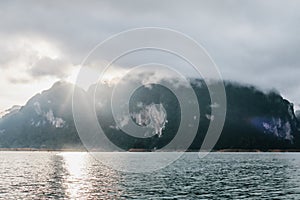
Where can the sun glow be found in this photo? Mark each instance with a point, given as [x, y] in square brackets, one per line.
[75, 163]
[86, 176]
[92, 75]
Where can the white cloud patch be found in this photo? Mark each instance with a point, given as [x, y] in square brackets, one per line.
[26, 58]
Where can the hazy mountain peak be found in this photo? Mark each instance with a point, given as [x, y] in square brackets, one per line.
[11, 110]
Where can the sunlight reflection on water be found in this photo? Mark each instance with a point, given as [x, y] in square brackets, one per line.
[84, 179]
[40, 175]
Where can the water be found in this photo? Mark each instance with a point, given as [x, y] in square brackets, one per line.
[52, 175]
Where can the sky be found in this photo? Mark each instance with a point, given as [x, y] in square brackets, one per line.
[251, 41]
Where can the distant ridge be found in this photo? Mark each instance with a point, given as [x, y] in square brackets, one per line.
[255, 119]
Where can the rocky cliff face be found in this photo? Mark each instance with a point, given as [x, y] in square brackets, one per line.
[45, 121]
[298, 114]
[255, 120]
[259, 120]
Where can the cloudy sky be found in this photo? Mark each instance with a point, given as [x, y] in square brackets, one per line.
[253, 42]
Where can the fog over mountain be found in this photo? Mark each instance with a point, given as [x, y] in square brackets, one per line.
[254, 120]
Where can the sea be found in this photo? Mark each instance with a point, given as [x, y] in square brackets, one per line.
[80, 175]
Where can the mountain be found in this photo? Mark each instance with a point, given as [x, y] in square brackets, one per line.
[45, 121]
[254, 119]
[10, 111]
[259, 120]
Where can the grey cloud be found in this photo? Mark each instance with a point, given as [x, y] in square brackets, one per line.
[19, 80]
[50, 67]
[251, 41]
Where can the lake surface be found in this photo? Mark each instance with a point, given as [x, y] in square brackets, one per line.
[53, 175]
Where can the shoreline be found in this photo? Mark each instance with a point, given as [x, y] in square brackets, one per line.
[147, 150]
[43, 150]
